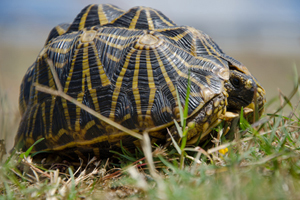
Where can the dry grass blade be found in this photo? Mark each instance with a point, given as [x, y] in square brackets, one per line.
[72, 181]
[20, 175]
[146, 145]
[60, 93]
[2, 149]
[140, 179]
[55, 181]
[196, 162]
[294, 110]
[174, 142]
[266, 159]
[199, 150]
[87, 109]
[28, 161]
[54, 74]
[286, 99]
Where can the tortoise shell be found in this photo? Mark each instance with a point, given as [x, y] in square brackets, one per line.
[127, 69]
[91, 15]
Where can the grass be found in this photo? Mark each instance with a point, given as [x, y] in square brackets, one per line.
[262, 161]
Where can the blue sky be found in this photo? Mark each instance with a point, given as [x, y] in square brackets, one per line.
[231, 20]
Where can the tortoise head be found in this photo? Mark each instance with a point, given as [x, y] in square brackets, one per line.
[240, 88]
[243, 89]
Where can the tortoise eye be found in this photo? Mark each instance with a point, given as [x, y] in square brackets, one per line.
[236, 82]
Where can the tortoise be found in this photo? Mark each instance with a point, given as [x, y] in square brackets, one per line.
[128, 69]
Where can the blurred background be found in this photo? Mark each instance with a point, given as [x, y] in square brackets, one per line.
[263, 35]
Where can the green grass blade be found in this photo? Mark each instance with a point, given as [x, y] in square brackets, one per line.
[73, 191]
[280, 116]
[180, 107]
[123, 156]
[124, 151]
[287, 100]
[166, 163]
[26, 154]
[244, 124]
[186, 106]
[179, 130]
[8, 190]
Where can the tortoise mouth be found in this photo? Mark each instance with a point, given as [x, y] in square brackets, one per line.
[236, 103]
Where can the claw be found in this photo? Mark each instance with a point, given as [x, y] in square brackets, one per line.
[247, 110]
[229, 116]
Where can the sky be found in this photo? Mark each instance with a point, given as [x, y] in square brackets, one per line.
[274, 22]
